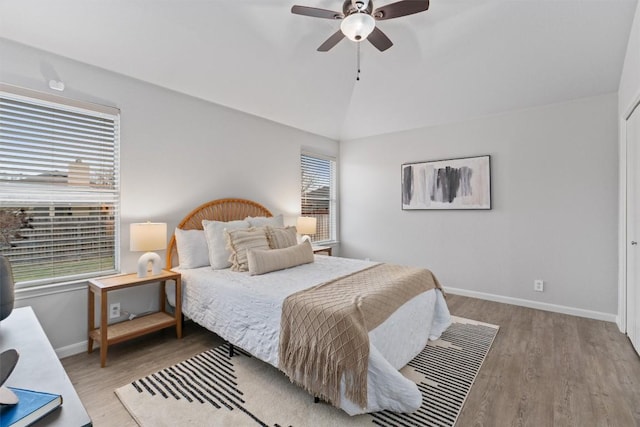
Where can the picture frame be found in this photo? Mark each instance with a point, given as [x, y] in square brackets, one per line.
[461, 183]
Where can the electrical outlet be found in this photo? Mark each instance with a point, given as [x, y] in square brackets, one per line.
[114, 310]
[538, 285]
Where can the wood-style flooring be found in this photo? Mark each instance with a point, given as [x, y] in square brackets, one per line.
[544, 369]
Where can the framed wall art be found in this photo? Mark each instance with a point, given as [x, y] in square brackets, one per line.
[463, 183]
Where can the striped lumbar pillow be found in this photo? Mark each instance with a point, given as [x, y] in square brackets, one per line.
[264, 261]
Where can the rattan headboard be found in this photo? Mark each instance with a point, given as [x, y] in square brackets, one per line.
[215, 210]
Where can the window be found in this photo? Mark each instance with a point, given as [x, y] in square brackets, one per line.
[59, 166]
[318, 194]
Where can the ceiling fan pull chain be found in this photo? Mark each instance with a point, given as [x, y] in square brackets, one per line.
[358, 58]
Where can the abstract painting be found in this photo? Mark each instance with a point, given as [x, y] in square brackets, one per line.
[447, 184]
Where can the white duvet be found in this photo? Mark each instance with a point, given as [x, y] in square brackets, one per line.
[245, 310]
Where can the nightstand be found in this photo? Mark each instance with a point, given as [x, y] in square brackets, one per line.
[320, 249]
[142, 325]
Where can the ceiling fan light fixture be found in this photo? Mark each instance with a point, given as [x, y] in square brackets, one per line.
[357, 26]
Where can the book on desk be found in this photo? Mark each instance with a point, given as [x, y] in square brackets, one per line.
[31, 406]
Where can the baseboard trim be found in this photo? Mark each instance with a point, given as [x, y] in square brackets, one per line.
[80, 347]
[607, 317]
[73, 349]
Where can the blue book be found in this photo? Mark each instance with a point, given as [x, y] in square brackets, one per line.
[31, 406]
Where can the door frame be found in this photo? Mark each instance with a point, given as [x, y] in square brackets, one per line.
[621, 319]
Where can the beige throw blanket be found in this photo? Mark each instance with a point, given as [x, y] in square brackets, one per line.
[324, 329]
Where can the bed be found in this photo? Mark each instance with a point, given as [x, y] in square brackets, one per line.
[246, 310]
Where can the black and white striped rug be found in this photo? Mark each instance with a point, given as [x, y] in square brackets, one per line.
[211, 389]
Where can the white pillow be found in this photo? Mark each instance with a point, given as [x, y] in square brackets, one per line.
[260, 221]
[217, 242]
[192, 248]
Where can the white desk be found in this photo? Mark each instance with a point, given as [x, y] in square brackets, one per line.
[39, 368]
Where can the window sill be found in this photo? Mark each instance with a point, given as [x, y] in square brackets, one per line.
[34, 291]
[331, 243]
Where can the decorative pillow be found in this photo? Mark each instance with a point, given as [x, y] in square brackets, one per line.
[192, 248]
[261, 221]
[280, 238]
[264, 261]
[239, 241]
[217, 242]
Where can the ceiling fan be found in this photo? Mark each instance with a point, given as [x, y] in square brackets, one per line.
[359, 20]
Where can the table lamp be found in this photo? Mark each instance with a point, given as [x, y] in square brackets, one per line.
[147, 237]
[306, 225]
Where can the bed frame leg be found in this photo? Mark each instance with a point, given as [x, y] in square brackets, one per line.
[316, 399]
[231, 353]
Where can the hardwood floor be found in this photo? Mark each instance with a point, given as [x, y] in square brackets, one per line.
[549, 369]
[544, 369]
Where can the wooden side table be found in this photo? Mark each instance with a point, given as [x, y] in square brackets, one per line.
[320, 249]
[142, 325]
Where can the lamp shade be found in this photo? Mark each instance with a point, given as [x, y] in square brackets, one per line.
[357, 26]
[148, 236]
[306, 225]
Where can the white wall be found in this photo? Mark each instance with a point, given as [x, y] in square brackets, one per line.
[176, 153]
[628, 96]
[629, 88]
[554, 216]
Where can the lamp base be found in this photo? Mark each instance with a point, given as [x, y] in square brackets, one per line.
[305, 237]
[143, 264]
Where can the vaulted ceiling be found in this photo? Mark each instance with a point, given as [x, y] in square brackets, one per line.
[460, 60]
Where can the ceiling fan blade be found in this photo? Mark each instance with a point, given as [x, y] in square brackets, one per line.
[315, 12]
[380, 40]
[400, 8]
[331, 41]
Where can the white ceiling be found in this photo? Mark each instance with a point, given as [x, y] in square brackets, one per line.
[459, 60]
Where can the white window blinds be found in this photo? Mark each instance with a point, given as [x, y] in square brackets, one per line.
[59, 166]
[318, 194]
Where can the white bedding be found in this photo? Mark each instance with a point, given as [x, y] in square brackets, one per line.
[245, 310]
